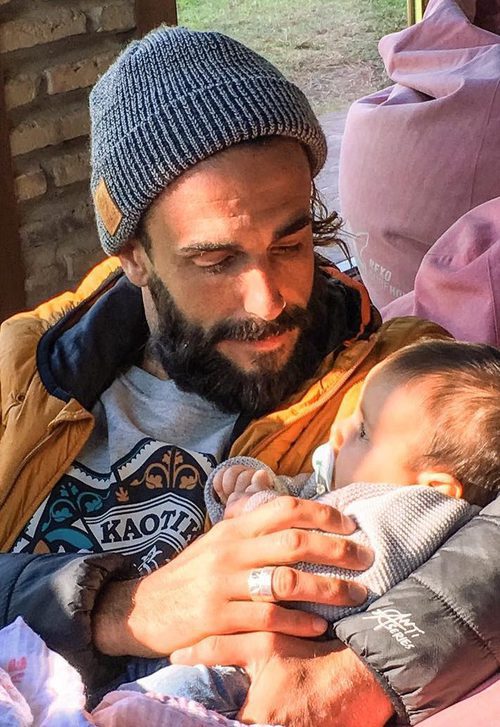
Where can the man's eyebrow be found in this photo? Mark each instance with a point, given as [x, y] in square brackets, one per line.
[197, 247]
[291, 227]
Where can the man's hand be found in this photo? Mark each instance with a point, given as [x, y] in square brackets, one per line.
[297, 683]
[204, 591]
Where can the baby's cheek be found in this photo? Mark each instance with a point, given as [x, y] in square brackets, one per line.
[344, 470]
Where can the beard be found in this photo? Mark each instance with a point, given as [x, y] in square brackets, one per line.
[189, 356]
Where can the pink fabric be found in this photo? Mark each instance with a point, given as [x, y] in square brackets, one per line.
[458, 282]
[134, 709]
[480, 709]
[417, 156]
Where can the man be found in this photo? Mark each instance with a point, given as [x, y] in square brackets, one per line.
[221, 334]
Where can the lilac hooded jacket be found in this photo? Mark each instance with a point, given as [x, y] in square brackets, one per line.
[458, 282]
[416, 157]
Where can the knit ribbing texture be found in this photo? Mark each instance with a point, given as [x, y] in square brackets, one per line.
[173, 99]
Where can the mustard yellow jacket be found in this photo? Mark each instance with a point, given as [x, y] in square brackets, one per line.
[52, 369]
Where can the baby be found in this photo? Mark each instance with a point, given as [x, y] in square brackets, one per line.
[414, 462]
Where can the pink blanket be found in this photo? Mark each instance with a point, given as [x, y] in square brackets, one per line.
[133, 709]
[129, 709]
[480, 709]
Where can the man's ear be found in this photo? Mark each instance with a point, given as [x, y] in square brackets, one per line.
[442, 481]
[135, 263]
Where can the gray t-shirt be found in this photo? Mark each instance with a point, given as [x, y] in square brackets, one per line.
[137, 485]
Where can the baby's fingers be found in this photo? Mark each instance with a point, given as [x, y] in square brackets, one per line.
[231, 478]
[217, 483]
[261, 480]
[244, 480]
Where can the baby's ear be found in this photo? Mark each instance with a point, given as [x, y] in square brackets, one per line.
[442, 481]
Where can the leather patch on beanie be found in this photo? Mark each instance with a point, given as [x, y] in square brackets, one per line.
[108, 210]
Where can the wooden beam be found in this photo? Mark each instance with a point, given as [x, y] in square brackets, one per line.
[415, 10]
[152, 13]
[410, 12]
[12, 294]
[420, 6]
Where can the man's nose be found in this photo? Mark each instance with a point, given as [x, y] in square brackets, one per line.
[261, 294]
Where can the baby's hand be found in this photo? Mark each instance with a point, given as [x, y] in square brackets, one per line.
[237, 482]
[236, 502]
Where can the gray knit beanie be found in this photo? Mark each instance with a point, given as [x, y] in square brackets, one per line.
[173, 99]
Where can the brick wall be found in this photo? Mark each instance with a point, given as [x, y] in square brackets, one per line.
[53, 51]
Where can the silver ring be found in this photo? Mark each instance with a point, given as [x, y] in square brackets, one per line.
[260, 584]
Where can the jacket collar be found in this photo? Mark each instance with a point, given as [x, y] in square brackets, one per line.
[78, 357]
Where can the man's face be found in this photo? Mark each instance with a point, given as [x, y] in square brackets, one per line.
[387, 433]
[232, 240]
[231, 262]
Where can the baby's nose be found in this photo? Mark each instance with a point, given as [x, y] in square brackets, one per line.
[337, 437]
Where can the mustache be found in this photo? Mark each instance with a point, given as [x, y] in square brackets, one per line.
[253, 329]
[189, 356]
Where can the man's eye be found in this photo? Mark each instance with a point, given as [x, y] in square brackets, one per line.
[213, 262]
[287, 249]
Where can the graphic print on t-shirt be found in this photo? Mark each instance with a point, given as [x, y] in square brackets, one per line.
[150, 506]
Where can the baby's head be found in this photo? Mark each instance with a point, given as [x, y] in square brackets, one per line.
[429, 414]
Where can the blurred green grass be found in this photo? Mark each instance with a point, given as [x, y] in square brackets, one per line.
[327, 47]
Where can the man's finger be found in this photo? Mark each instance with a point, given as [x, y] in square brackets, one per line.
[244, 616]
[291, 512]
[235, 505]
[294, 546]
[290, 584]
[223, 650]
[246, 649]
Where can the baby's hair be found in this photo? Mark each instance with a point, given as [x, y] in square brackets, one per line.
[464, 408]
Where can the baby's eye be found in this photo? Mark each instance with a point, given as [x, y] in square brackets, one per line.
[362, 431]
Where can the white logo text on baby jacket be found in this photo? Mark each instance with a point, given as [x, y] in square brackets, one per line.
[400, 626]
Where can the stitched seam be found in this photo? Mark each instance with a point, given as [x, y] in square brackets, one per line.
[461, 617]
[488, 519]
